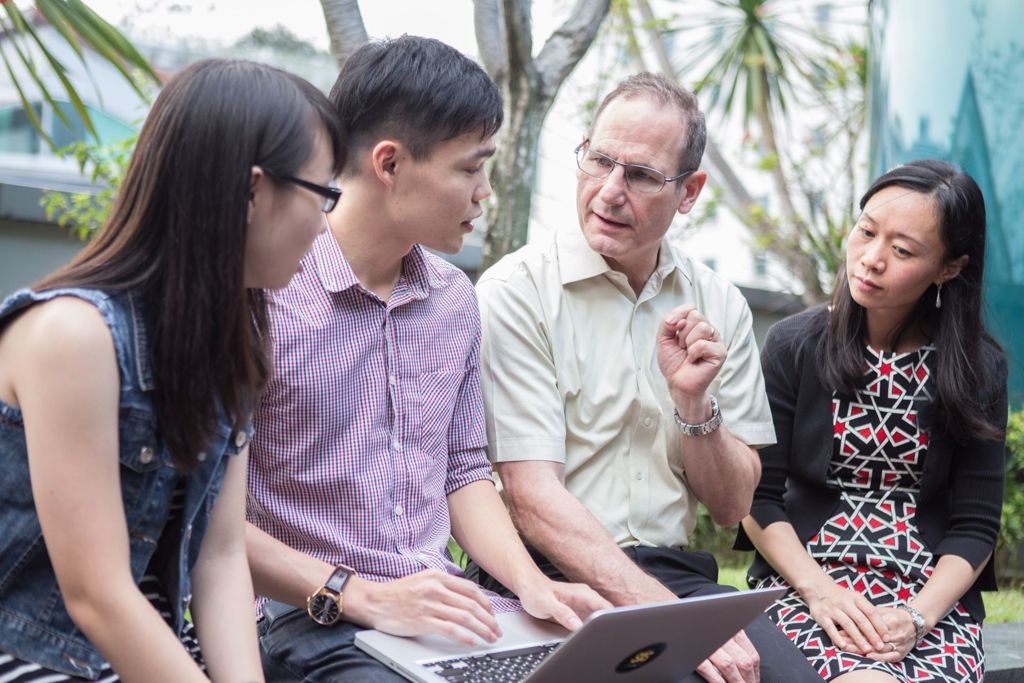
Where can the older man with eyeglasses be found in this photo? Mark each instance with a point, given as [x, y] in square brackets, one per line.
[622, 383]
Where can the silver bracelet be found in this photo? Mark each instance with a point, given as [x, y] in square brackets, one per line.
[706, 427]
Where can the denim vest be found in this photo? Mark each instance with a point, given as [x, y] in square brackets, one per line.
[34, 622]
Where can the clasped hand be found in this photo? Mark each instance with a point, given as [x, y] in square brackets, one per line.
[855, 625]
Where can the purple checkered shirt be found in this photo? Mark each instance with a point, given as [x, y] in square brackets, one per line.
[372, 417]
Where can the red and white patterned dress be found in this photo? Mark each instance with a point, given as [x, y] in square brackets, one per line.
[871, 543]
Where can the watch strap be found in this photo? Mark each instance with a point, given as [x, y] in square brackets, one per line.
[339, 577]
[706, 427]
[919, 622]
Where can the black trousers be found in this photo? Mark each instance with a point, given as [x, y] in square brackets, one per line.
[689, 573]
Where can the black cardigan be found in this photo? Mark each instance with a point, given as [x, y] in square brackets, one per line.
[961, 487]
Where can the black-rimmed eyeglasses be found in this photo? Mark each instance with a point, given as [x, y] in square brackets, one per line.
[638, 178]
[330, 193]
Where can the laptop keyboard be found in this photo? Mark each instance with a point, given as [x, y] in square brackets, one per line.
[505, 666]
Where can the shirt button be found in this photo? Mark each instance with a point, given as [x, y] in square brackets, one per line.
[639, 476]
[399, 509]
[648, 422]
[240, 439]
[146, 455]
[392, 380]
[396, 445]
[201, 456]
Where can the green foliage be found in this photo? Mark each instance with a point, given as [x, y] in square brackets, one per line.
[105, 165]
[1004, 606]
[278, 38]
[459, 556]
[1012, 533]
[755, 63]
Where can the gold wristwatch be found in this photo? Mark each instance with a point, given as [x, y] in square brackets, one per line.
[326, 605]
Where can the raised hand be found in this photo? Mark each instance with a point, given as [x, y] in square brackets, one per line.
[690, 354]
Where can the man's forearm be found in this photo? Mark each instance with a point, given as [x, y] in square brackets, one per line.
[565, 531]
[280, 572]
[722, 472]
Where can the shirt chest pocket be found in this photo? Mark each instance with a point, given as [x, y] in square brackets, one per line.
[438, 394]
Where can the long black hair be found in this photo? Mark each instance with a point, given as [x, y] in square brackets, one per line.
[962, 343]
[177, 231]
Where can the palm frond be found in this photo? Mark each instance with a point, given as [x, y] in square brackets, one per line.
[76, 24]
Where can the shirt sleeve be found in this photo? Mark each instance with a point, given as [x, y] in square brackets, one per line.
[976, 483]
[467, 438]
[524, 410]
[741, 389]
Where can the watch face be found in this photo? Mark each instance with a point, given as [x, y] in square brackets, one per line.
[324, 609]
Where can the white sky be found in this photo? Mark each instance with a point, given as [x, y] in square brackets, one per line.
[226, 21]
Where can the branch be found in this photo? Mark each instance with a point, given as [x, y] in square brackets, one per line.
[489, 27]
[518, 38]
[570, 41]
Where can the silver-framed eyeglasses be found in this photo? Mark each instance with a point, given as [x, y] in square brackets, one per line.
[639, 178]
[330, 193]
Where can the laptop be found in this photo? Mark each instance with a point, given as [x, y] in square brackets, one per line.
[636, 644]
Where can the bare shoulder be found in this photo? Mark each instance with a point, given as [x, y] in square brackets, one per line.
[52, 339]
[64, 326]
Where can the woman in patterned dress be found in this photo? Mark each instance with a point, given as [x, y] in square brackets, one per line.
[879, 506]
[127, 382]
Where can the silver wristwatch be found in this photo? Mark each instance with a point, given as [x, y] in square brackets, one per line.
[706, 427]
[919, 622]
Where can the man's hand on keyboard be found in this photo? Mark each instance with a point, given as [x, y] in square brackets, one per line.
[430, 601]
[566, 603]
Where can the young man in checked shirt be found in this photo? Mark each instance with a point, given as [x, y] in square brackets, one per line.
[370, 440]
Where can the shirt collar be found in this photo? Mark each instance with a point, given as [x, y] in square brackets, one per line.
[336, 274]
[331, 265]
[577, 261]
[419, 273]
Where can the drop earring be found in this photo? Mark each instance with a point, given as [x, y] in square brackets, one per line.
[938, 295]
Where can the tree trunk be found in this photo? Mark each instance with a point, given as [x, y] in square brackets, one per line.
[529, 86]
[514, 174]
[344, 27]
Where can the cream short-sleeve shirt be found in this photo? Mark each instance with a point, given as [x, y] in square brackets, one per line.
[570, 375]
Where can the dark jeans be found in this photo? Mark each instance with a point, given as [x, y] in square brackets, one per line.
[295, 648]
[688, 573]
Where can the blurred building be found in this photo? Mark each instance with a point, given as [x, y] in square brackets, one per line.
[31, 245]
[949, 83]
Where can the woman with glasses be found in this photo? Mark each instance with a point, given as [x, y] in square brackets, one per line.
[879, 506]
[127, 380]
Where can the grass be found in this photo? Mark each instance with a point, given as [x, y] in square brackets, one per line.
[1007, 605]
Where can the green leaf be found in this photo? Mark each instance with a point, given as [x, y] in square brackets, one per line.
[54, 14]
[29, 111]
[61, 72]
